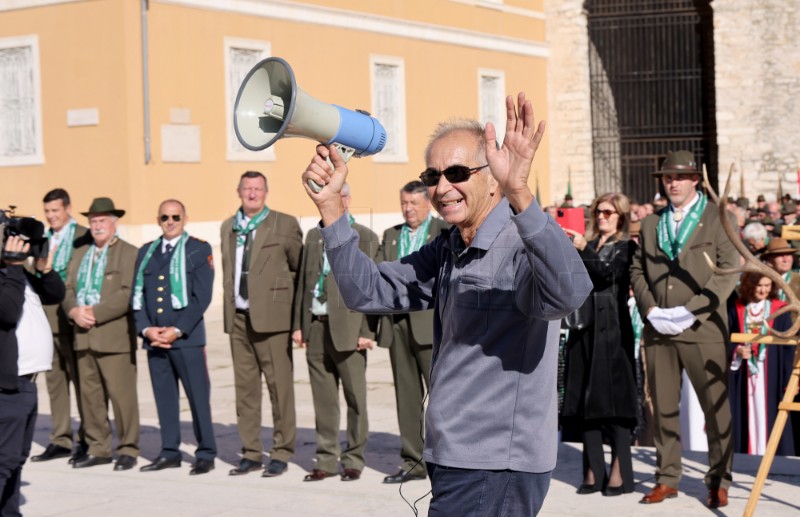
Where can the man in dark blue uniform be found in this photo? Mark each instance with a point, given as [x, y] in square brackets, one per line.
[172, 290]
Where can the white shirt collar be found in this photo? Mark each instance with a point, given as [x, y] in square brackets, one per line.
[172, 242]
[689, 205]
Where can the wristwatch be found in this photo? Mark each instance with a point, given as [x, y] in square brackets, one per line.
[178, 331]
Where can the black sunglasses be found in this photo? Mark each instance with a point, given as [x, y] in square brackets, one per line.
[175, 217]
[454, 174]
[606, 213]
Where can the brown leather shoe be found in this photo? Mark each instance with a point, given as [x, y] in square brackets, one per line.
[318, 475]
[659, 493]
[717, 497]
[351, 475]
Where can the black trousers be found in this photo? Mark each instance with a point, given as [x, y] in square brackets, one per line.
[167, 367]
[619, 437]
[18, 411]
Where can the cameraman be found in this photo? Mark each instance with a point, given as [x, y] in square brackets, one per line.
[26, 348]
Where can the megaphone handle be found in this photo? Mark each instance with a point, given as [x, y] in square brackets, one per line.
[345, 152]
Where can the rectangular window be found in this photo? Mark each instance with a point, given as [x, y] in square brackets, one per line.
[20, 102]
[240, 57]
[389, 106]
[492, 103]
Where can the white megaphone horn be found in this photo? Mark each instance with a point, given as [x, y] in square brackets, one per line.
[270, 106]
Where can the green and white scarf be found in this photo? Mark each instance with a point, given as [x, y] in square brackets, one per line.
[638, 327]
[243, 229]
[757, 327]
[667, 240]
[781, 294]
[64, 251]
[319, 287]
[177, 275]
[90, 276]
[411, 243]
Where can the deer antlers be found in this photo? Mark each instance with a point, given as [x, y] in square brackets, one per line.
[751, 264]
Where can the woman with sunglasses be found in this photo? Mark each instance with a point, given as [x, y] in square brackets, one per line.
[758, 372]
[600, 385]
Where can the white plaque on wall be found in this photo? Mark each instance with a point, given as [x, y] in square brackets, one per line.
[180, 143]
[83, 117]
[180, 115]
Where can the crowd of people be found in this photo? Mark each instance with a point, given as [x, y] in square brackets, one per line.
[277, 292]
[658, 309]
[470, 304]
[478, 373]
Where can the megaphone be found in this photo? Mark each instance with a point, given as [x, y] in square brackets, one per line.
[270, 106]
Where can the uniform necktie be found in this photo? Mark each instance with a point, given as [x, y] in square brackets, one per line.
[245, 266]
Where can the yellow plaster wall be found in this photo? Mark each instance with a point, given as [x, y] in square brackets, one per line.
[90, 57]
[81, 52]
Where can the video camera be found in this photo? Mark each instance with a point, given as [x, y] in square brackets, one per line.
[28, 229]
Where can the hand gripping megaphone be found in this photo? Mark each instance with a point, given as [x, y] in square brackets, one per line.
[270, 106]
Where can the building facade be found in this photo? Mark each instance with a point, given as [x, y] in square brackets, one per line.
[134, 100]
[723, 81]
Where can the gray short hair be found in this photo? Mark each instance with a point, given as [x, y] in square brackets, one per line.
[470, 126]
[755, 231]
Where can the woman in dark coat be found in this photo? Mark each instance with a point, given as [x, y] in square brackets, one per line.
[600, 385]
[759, 373]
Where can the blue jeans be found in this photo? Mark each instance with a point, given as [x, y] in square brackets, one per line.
[486, 493]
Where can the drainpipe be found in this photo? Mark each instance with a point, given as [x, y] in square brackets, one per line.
[145, 83]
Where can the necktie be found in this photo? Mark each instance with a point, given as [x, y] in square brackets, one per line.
[170, 247]
[245, 267]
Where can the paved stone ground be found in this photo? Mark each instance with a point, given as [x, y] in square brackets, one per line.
[54, 488]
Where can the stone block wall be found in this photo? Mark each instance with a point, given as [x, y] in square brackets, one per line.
[757, 52]
[569, 101]
[757, 60]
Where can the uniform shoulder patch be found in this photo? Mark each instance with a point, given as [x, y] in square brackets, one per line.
[211, 261]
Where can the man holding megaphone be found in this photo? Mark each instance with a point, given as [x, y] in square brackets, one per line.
[500, 280]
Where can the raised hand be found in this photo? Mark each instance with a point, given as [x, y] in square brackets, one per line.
[329, 199]
[578, 240]
[45, 265]
[511, 164]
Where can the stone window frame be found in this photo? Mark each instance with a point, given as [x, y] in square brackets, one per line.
[234, 151]
[494, 109]
[395, 120]
[34, 112]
